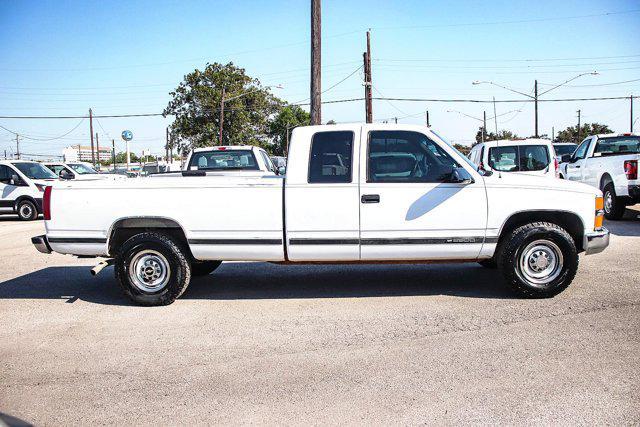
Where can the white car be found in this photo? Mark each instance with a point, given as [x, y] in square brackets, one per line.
[608, 162]
[530, 156]
[79, 171]
[22, 185]
[353, 193]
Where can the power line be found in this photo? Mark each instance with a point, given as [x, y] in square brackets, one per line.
[506, 60]
[594, 85]
[43, 139]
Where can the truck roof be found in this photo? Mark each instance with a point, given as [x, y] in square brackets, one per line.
[612, 135]
[225, 148]
[509, 142]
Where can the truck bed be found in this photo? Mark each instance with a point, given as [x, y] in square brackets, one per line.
[223, 217]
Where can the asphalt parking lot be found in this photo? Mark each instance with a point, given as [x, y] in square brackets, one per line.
[262, 343]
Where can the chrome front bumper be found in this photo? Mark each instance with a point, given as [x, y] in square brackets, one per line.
[41, 244]
[596, 241]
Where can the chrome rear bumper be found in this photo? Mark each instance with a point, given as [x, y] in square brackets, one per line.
[41, 244]
[596, 241]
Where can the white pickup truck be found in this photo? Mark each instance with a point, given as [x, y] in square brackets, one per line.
[356, 193]
[610, 163]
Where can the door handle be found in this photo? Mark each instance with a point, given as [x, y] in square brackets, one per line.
[370, 198]
[577, 166]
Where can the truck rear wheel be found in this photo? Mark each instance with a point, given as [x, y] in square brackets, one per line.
[152, 269]
[27, 210]
[613, 206]
[203, 268]
[539, 260]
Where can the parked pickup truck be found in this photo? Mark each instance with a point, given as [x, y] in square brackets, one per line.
[610, 163]
[356, 193]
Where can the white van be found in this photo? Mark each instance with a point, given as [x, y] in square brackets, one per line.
[530, 156]
[22, 185]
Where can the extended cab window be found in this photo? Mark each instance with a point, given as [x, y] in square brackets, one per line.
[581, 151]
[331, 156]
[519, 158]
[405, 156]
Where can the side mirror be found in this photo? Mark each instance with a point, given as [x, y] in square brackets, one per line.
[459, 176]
[64, 174]
[282, 170]
[566, 158]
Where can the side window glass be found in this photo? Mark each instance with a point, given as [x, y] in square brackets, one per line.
[5, 174]
[533, 157]
[406, 156]
[331, 157]
[581, 151]
[267, 161]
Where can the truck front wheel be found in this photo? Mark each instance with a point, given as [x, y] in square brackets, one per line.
[613, 206]
[539, 260]
[152, 269]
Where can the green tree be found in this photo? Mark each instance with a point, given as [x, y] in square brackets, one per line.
[121, 157]
[570, 134]
[490, 136]
[288, 118]
[196, 101]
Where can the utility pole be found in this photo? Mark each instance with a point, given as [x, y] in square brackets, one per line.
[93, 159]
[578, 127]
[315, 109]
[166, 147]
[368, 104]
[553, 134]
[221, 116]
[484, 126]
[535, 97]
[113, 153]
[631, 115]
[396, 119]
[495, 116]
[97, 151]
[18, 146]
[428, 123]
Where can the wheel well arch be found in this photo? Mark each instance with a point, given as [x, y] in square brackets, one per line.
[26, 197]
[125, 228]
[570, 221]
[604, 180]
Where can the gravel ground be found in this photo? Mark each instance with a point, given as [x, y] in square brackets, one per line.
[262, 343]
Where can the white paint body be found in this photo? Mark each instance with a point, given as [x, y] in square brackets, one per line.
[274, 218]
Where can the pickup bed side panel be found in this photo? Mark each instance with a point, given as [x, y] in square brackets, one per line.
[223, 218]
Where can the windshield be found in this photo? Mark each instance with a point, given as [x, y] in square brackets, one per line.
[562, 149]
[82, 169]
[519, 158]
[618, 145]
[223, 160]
[35, 170]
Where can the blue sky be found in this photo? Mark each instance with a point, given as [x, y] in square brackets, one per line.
[123, 57]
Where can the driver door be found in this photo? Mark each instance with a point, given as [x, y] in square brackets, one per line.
[576, 166]
[408, 210]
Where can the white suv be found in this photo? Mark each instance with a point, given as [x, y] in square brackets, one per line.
[22, 185]
[530, 156]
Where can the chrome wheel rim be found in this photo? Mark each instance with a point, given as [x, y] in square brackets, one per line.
[26, 211]
[540, 262]
[149, 271]
[608, 201]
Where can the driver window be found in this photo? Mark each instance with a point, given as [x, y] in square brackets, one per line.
[581, 151]
[406, 156]
[5, 174]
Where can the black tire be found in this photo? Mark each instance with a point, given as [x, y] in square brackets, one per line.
[27, 210]
[204, 268]
[516, 265]
[489, 263]
[614, 209]
[152, 254]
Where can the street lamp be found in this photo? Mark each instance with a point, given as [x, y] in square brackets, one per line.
[223, 100]
[483, 119]
[535, 91]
